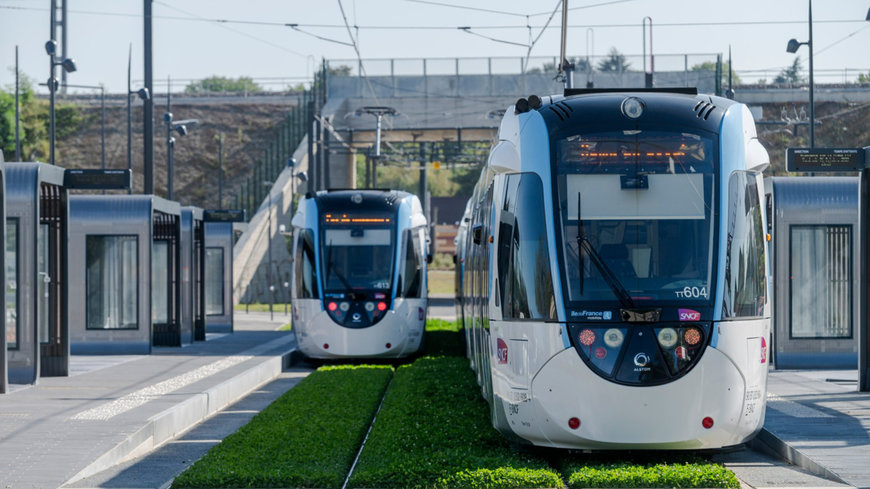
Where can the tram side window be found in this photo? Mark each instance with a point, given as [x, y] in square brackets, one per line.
[745, 264]
[412, 269]
[306, 279]
[528, 291]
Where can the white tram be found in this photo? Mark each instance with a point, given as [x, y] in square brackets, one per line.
[615, 281]
[359, 285]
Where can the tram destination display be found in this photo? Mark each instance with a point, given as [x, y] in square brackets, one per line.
[97, 179]
[824, 159]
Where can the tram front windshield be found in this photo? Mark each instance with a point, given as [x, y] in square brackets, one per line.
[636, 205]
[357, 254]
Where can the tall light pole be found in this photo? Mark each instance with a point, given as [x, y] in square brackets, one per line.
[649, 76]
[143, 95]
[181, 128]
[792, 47]
[68, 65]
[269, 247]
[565, 66]
[590, 48]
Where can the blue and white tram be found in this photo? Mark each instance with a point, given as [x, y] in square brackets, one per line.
[359, 287]
[615, 289]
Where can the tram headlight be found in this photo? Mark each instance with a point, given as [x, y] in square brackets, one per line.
[613, 338]
[667, 337]
[344, 306]
[370, 306]
[632, 107]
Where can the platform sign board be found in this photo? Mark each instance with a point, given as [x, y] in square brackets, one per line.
[824, 159]
[223, 215]
[77, 179]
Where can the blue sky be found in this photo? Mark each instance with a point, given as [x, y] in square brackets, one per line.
[190, 43]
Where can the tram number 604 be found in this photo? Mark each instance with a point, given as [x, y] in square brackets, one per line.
[692, 292]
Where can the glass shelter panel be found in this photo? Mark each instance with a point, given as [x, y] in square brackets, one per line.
[637, 215]
[214, 281]
[821, 278]
[43, 283]
[112, 282]
[160, 282]
[12, 284]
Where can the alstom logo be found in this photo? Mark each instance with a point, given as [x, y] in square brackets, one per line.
[689, 315]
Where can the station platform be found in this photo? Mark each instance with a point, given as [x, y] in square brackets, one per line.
[111, 409]
[817, 420]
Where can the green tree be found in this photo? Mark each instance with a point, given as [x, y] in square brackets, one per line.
[223, 84]
[341, 70]
[614, 62]
[864, 77]
[34, 122]
[792, 74]
[710, 66]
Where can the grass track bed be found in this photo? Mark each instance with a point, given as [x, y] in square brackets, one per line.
[307, 438]
[433, 431]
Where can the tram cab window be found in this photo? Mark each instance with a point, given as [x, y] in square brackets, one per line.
[305, 281]
[412, 265]
[525, 281]
[745, 263]
[643, 203]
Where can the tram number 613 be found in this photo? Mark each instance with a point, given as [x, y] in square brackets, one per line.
[692, 292]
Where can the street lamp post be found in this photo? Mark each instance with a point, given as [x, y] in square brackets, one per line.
[68, 65]
[181, 128]
[143, 95]
[649, 76]
[792, 47]
[269, 247]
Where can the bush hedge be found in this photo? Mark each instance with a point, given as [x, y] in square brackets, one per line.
[653, 475]
[433, 430]
[307, 438]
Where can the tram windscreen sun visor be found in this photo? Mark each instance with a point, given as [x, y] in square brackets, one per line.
[646, 215]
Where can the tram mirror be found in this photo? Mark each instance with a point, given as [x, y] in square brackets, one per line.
[477, 233]
[357, 233]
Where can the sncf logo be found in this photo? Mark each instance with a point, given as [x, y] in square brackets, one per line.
[501, 351]
[689, 315]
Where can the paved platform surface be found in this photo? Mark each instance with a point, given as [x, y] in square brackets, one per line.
[819, 421]
[115, 408]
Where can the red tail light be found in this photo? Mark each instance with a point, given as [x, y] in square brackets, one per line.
[574, 423]
[587, 337]
[707, 422]
[382, 306]
[332, 306]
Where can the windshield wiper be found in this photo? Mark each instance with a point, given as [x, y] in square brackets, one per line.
[609, 277]
[605, 271]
